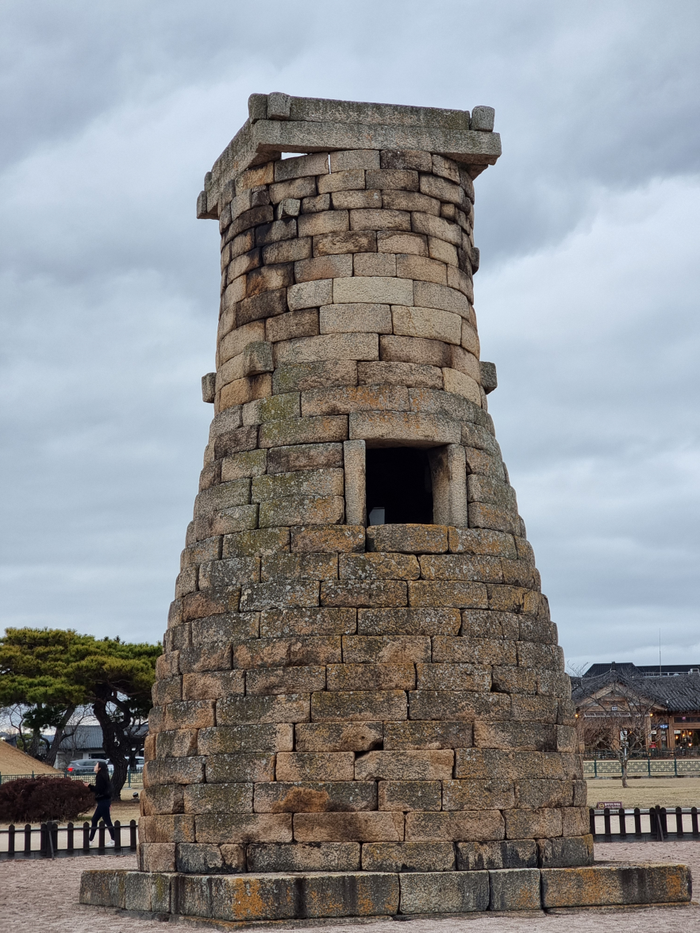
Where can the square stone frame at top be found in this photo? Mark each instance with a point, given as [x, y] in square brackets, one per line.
[448, 473]
[280, 123]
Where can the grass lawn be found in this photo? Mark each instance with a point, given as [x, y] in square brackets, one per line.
[646, 792]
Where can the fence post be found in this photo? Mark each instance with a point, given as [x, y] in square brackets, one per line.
[648, 766]
[675, 766]
[595, 767]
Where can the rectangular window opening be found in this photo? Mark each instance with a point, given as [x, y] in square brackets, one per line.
[398, 481]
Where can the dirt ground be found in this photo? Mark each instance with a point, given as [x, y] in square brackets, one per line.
[42, 897]
[646, 792]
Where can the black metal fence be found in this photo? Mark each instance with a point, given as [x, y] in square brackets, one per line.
[134, 776]
[656, 824]
[51, 840]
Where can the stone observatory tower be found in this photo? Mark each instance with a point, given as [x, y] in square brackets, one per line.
[337, 694]
[361, 708]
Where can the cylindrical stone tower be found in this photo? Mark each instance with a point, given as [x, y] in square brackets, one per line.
[360, 673]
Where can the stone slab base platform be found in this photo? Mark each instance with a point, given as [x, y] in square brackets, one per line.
[316, 895]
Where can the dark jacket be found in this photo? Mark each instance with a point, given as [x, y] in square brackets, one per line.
[102, 788]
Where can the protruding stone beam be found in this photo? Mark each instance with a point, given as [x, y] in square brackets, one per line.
[280, 123]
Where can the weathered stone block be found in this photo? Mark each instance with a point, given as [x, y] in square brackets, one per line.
[416, 350]
[618, 884]
[378, 567]
[526, 736]
[345, 538]
[342, 181]
[478, 651]
[309, 856]
[353, 398]
[479, 825]
[325, 221]
[274, 595]
[213, 798]
[272, 409]
[312, 566]
[459, 704]
[294, 651]
[212, 685]
[403, 735]
[323, 482]
[423, 765]
[372, 290]
[444, 593]
[293, 510]
[477, 856]
[374, 264]
[358, 705]
[246, 464]
[323, 267]
[169, 798]
[363, 593]
[284, 709]
[410, 795]
[256, 542]
[404, 374]
[349, 827]
[226, 627]
[408, 621]
[242, 828]
[300, 621]
[178, 827]
[566, 851]
[408, 856]
[385, 649]
[262, 737]
[444, 892]
[336, 346]
[359, 318]
[483, 568]
[237, 767]
[427, 323]
[515, 889]
[496, 794]
[304, 457]
[349, 676]
[315, 766]
[307, 795]
[284, 680]
[345, 242]
[292, 377]
[407, 539]
[338, 736]
[452, 677]
[287, 250]
[521, 824]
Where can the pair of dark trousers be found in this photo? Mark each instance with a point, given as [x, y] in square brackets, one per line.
[101, 813]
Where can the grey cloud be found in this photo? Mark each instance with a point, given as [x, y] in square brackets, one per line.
[586, 299]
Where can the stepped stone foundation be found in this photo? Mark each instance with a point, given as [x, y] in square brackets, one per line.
[361, 708]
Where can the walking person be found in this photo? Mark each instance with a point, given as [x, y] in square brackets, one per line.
[102, 789]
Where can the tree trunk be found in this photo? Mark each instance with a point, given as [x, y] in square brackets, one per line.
[58, 736]
[624, 772]
[116, 749]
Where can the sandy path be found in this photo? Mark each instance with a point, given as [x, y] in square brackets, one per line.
[42, 897]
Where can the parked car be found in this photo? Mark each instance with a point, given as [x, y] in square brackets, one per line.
[85, 766]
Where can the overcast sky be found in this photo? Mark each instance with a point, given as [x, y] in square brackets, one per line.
[587, 297]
